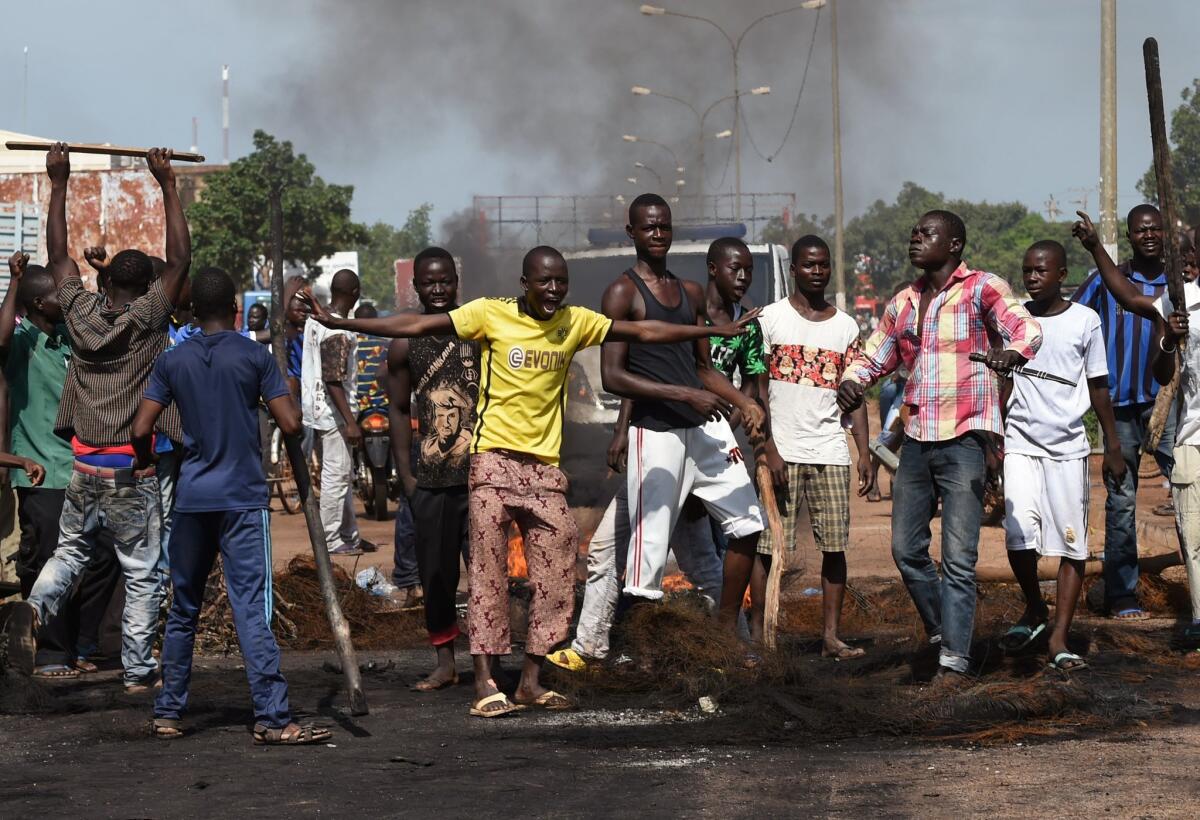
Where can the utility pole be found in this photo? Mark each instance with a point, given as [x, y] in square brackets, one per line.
[1052, 209]
[1108, 126]
[839, 239]
[25, 94]
[225, 113]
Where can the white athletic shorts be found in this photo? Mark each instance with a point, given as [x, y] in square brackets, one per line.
[664, 467]
[1046, 505]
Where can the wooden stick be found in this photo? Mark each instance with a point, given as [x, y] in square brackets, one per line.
[1163, 175]
[91, 148]
[1164, 404]
[1048, 570]
[312, 515]
[766, 491]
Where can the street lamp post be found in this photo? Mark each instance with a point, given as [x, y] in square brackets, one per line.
[643, 91]
[652, 172]
[734, 46]
[679, 169]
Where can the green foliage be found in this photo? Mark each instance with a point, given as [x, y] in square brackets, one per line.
[383, 246]
[231, 222]
[997, 236]
[1185, 158]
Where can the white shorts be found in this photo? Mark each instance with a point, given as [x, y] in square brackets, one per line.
[664, 468]
[1046, 505]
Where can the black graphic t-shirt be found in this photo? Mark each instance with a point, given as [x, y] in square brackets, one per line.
[445, 383]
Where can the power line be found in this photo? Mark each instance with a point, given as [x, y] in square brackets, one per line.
[795, 109]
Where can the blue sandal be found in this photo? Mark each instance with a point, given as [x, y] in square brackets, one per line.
[1020, 636]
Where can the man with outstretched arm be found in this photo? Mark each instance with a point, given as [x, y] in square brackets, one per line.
[931, 328]
[526, 345]
[681, 440]
[116, 339]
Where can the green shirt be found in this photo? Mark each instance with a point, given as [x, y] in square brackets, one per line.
[36, 370]
[743, 352]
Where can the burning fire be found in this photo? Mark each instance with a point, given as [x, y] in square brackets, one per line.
[676, 582]
[517, 568]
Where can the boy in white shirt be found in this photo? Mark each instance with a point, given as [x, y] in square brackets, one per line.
[808, 343]
[1046, 452]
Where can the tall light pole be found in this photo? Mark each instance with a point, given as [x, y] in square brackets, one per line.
[839, 238]
[679, 169]
[657, 176]
[643, 91]
[734, 46]
[1108, 126]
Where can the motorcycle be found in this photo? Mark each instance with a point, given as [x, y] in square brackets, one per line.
[375, 478]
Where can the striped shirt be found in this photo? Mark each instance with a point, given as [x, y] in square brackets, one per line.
[949, 395]
[114, 351]
[1127, 336]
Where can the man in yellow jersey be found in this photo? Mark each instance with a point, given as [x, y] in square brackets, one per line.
[526, 344]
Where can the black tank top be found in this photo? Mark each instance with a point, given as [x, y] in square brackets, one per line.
[665, 364]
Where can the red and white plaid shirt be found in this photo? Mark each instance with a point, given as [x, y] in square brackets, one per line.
[949, 395]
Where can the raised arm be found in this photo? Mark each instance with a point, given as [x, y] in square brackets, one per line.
[1128, 295]
[399, 390]
[8, 310]
[58, 168]
[179, 239]
[398, 326]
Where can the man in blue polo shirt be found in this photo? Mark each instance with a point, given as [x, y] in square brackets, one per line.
[1128, 339]
[216, 380]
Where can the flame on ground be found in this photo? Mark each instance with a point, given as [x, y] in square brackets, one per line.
[517, 568]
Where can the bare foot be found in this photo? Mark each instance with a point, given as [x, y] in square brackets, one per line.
[439, 678]
[839, 650]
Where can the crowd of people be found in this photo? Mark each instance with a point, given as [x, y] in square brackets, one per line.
[135, 424]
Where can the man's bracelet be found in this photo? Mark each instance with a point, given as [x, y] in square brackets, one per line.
[1163, 347]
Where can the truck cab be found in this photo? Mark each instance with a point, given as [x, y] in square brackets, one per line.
[591, 413]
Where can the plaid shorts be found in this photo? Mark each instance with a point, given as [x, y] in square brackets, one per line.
[827, 488]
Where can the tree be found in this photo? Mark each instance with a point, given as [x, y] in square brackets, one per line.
[383, 245]
[231, 221]
[1185, 158]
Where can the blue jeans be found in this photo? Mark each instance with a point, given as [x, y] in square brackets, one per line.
[405, 573]
[168, 475]
[953, 471]
[1120, 524]
[243, 538]
[129, 516]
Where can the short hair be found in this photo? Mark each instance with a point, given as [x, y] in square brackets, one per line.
[1138, 210]
[35, 284]
[130, 269]
[808, 241]
[537, 253]
[721, 246]
[366, 310]
[345, 281]
[952, 222]
[1052, 246]
[646, 201]
[213, 294]
[431, 253]
[258, 305]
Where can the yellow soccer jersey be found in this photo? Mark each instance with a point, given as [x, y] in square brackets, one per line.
[524, 368]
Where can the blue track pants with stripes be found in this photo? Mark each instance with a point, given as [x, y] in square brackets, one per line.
[244, 540]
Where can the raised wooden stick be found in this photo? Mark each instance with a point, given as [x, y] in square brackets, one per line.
[92, 148]
[766, 491]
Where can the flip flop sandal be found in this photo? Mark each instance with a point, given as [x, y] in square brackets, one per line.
[1068, 662]
[307, 736]
[507, 707]
[844, 653]
[22, 648]
[56, 671]
[85, 666]
[167, 728]
[1020, 636]
[552, 701]
[425, 686]
[1131, 614]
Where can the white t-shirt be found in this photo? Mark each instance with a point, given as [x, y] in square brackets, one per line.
[1045, 418]
[805, 360]
[1187, 429]
[319, 412]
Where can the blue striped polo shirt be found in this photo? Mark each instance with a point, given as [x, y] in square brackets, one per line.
[1127, 336]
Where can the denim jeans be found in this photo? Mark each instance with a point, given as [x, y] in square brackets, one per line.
[953, 471]
[1120, 524]
[129, 516]
[405, 572]
[168, 476]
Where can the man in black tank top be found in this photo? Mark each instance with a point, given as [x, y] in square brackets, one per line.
[680, 439]
[442, 372]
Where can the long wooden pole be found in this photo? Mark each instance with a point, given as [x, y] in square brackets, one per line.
[295, 453]
[93, 148]
[766, 491]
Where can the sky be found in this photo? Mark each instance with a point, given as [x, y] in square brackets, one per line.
[414, 101]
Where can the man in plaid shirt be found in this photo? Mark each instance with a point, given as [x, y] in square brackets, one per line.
[930, 328]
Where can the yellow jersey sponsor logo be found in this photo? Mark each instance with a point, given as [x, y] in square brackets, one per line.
[522, 359]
